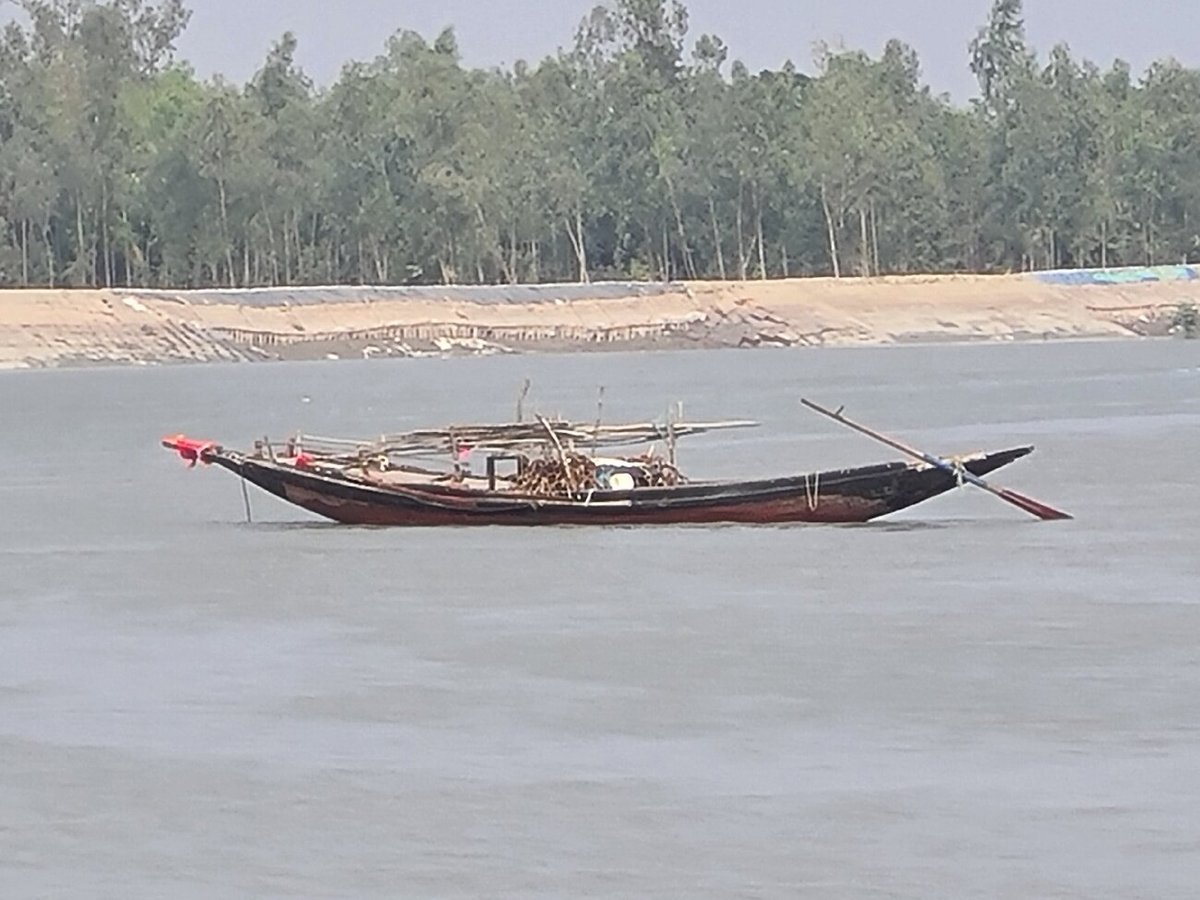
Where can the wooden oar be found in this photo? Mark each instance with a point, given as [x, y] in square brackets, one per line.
[1031, 506]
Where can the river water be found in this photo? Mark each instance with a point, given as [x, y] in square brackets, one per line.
[959, 702]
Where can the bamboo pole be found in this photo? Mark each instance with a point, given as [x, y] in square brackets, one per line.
[562, 456]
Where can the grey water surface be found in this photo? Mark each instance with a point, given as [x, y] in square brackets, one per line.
[957, 702]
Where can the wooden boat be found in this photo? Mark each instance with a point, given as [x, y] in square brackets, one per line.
[550, 473]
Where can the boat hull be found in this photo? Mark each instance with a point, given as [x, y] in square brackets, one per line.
[841, 496]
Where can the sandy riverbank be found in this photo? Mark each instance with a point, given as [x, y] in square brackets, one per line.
[47, 328]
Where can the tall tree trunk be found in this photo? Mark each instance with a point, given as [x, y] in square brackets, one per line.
[513, 257]
[298, 238]
[494, 242]
[716, 229]
[50, 273]
[275, 247]
[24, 252]
[758, 227]
[286, 234]
[95, 257]
[743, 263]
[104, 232]
[865, 246]
[689, 265]
[833, 249]
[225, 227]
[146, 267]
[377, 257]
[132, 271]
[79, 260]
[666, 257]
[579, 245]
[875, 239]
[289, 258]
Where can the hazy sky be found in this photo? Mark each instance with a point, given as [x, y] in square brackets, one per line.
[232, 36]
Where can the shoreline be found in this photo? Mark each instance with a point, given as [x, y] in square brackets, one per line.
[42, 328]
[931, 343]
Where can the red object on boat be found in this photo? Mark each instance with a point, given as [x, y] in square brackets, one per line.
[190, 449]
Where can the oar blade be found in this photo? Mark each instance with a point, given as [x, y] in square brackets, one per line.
[1033, 507]
[1028, 504]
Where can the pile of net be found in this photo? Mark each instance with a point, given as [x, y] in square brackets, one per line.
[551, 476]
[658, 472]
[575, 473]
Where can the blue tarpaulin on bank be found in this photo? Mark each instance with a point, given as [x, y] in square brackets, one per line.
[1129, 275]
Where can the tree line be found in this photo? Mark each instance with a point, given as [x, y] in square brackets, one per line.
[637, 153]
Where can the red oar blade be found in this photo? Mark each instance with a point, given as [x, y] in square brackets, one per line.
[1028, 504]
[1031, 506]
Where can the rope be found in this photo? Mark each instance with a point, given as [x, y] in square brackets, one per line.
[960, 470]
[245, 494]
[813, 494]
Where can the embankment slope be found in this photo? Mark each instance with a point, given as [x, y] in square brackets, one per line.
[46, 328]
